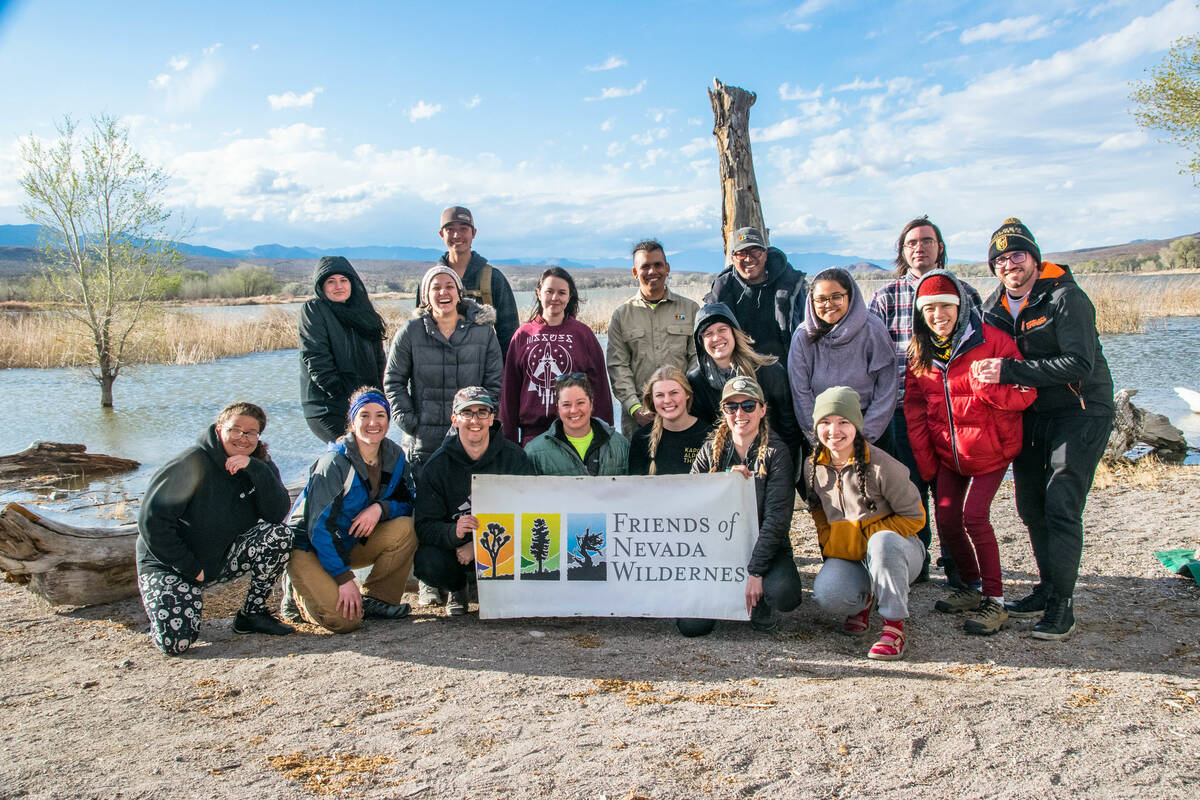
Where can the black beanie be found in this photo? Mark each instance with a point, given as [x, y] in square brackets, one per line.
[1012, 235]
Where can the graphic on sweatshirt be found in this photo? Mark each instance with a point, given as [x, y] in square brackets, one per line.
[541, 540]
[545, 360]
[494, 547]
[585, 547]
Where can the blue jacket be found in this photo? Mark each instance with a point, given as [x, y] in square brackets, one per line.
[337, 489]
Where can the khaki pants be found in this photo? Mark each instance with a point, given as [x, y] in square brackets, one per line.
[388, 551]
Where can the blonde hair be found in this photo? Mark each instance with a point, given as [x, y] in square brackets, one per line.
[721, 434]
[746, 360]
[670, 372]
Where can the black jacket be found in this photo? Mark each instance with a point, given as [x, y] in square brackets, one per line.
[444, 485]
[776, 496]
[769, 311]
[1056, 334]
[194, 510]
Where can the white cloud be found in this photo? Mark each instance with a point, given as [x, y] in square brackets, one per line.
[612, 62]
[191, 83]
[788, 92]
[798, 18]
[279, 102]
[423, 110]
[1130, 140]
[208, 51]
[1016, 28]
[616, 91]
[253, 47]
[697, 146]
[614, 149]
[607, 125]
[160, 81]
[940, 29]
[178, 63]
[859, 85]
[474, 102]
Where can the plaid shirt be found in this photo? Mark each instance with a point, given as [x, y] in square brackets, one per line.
[894, 305]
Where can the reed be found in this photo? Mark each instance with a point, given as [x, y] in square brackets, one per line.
[1122, 309]
[1147, 472]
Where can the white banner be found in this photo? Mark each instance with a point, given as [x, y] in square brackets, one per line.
[667, 546]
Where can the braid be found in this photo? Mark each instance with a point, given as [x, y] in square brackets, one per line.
[656, 430]
[718, 440]
[812, 472]
[764, 433]
[860, 468]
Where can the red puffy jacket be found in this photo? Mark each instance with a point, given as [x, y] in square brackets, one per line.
[957, 421]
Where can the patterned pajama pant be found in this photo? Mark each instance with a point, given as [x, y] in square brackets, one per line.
[173, 602]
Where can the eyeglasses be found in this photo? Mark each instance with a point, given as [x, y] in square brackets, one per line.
[1015, 258]
[747, 406]
[749, 252]
[913, 244]
[479, 413]
[574, 376]
[238, 433]
[835, 299]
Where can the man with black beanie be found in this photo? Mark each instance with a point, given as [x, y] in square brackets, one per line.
[1066, 429]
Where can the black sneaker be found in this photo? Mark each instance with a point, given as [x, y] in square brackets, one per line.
[374, 608]
[262, 622]
[1058, 623]
[763, 618]
[1030, 606]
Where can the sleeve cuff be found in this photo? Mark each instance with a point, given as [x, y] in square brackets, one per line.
[344, 578]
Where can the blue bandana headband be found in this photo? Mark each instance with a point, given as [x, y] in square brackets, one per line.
[370, 397]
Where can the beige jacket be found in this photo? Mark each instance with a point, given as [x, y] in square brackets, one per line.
[644, 337]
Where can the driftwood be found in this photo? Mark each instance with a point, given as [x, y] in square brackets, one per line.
[66, 565]
[1133, 426]
[740, 206]
[54, 461]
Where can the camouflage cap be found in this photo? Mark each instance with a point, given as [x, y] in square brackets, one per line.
[472, 396]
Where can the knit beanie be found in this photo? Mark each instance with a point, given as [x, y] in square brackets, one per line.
[936, 289]
[840, 400]
[1012, 235]
[427, 279]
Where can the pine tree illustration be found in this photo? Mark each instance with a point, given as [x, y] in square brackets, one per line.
[539, 542]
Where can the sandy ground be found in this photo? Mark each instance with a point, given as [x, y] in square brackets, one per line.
[618, 708]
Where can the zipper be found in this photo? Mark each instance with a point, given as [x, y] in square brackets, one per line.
[950, 418]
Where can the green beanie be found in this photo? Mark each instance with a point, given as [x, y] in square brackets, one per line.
[840, 400]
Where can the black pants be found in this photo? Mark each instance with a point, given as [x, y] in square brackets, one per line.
[327, 428]
[901, 448]
[782, 591]
[439, 568]
[1052, 476]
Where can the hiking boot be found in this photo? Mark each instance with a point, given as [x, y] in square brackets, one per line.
[374, 608]
[429, 596]
[1030, 606]
[260, 622]
[990, 618]
[763, 618]
[958, 601]
[953, 579]
[456, 603]
[1058, 623]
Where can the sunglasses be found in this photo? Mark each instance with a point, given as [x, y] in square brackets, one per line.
[574, 376]
[747, 406]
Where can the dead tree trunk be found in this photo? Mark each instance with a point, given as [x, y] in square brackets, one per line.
[54, 461]
[740, 206]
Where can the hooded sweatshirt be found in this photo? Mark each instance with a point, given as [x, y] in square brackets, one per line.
[857, 352]
[341, 344]
[769, 311]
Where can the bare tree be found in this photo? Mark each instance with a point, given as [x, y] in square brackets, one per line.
[588, 543]
[740, 205]
[101, 208]
[492, 540]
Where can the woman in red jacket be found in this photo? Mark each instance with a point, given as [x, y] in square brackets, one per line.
[964, 434]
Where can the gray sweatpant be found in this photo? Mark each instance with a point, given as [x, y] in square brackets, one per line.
[892, 563]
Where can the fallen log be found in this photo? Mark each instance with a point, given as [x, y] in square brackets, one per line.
[1133, 426]
[55, 461]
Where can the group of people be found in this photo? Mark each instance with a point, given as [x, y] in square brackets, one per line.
[865, 406]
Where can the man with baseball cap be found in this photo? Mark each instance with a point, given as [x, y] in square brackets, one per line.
[445, 525]
[766, 293]
[481, 281]
[1066, 429]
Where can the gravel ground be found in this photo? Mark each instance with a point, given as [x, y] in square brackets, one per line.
[617, 708]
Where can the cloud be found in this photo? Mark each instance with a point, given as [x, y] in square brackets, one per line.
[797, 19]
[697, 146]
[208, 51]
[474, 102]
[1130, 140]
[816, 116]
[253, 47]
[187, 88]
[612, 62]
[423, 110]
[160, 81]
[616, 91]
[650, 136]
[859, 85]
[788, 92]
[178, 63]
[1015, 28]
[607, 125]
[279, 102]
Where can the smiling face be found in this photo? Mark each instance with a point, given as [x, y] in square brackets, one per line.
[575, 411]
[554, 294]
[670, 400]
[940, 317]
[443, 296]
[751, 264]
[474, 425]
[239, 436]
[458, 237]
[718, 342]
[370, 424]
[743, 424]
[830, 300]
[336, 288]
[1017, 270]
[651, 269]
[837, 433]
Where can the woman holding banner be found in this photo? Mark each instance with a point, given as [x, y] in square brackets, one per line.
[578, 443]
[744, 443]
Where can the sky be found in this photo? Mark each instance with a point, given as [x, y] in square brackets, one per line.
[574, 129]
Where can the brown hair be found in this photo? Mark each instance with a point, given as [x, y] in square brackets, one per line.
[920, 347]
[860, 469]
[670, 372]
[578, 379]
[919, 222]
[572, 293]
[721, 434]
[242, 408]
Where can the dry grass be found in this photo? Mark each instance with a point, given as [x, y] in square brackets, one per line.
[596, 314]
[1147, 472]
[1122, 309]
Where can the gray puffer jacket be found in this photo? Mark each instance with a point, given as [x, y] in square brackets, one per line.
[424, 370]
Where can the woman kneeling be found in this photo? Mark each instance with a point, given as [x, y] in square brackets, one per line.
[356, 511]
[212, 514]
[867, 512]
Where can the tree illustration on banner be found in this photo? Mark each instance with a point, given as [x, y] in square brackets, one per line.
[585, 547]
[494, 547]
[492, 539]
[589, 543]
[541, 545]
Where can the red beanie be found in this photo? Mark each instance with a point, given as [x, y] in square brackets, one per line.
[937, 289]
